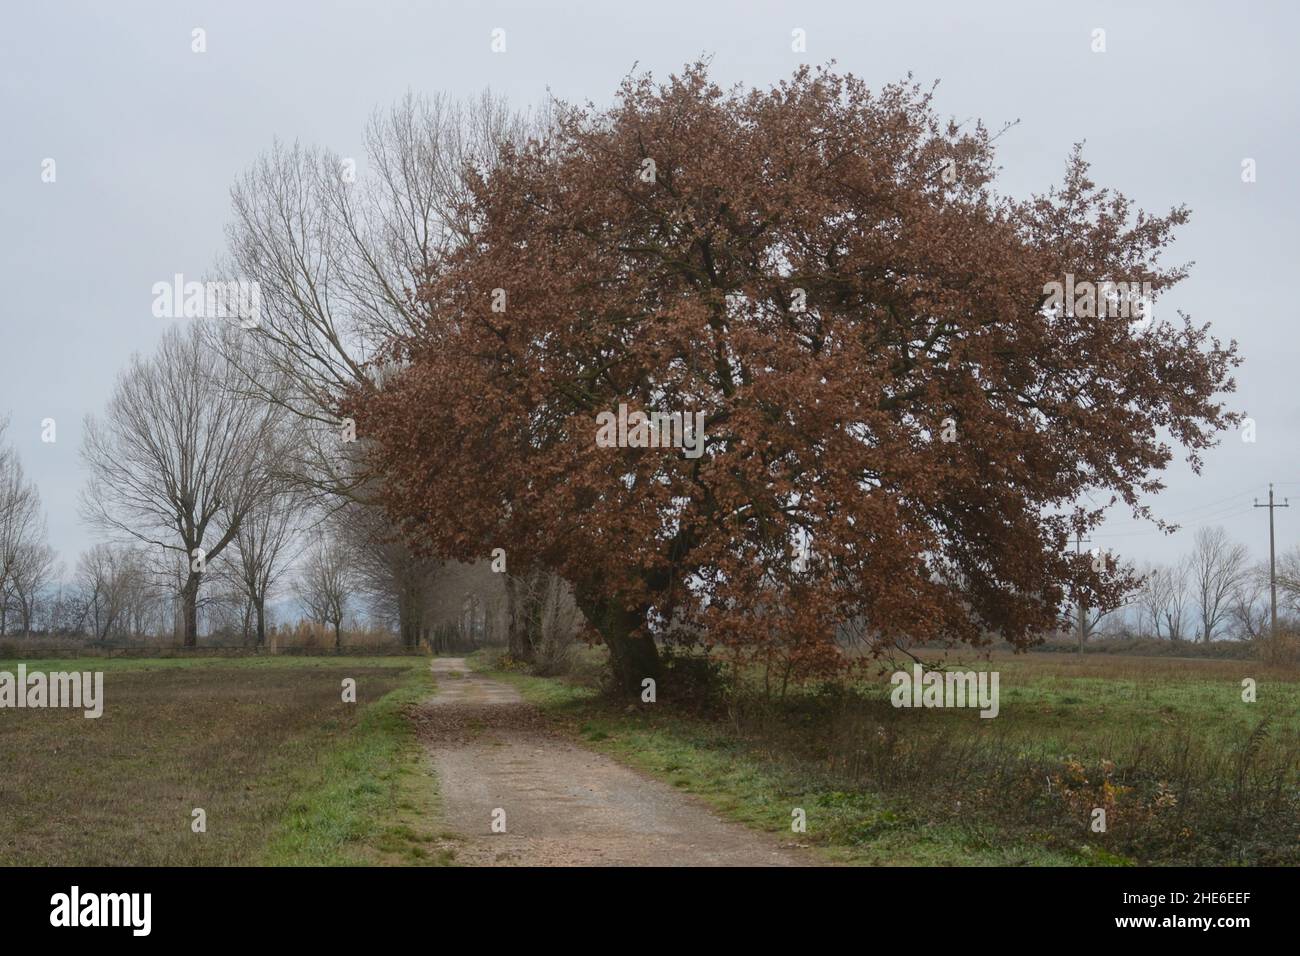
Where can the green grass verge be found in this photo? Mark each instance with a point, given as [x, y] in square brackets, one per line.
[702, 758]
[377, 799]
[880, 786]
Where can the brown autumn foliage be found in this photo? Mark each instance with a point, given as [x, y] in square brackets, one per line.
[801, 270]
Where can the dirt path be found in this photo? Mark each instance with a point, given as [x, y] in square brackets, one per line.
[563, 805]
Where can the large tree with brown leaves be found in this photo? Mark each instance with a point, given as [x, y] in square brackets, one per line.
[829, 276]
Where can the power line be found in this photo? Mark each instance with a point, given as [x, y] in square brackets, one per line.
[1211, 504]
[1234, 512]
[1185, 518]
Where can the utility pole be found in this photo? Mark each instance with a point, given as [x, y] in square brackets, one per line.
[1272, 562]
[1079, 540]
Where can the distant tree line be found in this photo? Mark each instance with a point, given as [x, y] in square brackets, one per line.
[1215, 592]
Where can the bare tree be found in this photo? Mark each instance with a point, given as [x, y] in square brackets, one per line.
[108, 576]
[1162, 600]
[169, 571]
[1217, 569]
[395, 579]
[544, 620]
[264, 546]
[226, 609]
[326, 582]
[181, 455]
[335, 251]
[1249, 607]
[24, 558]
[30, 576]
[1149, 599]
[62, 613]
[1288, 581]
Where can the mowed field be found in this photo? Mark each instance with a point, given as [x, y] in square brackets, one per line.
[286, 771]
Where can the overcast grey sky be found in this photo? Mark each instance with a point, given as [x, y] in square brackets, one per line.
[148, 137]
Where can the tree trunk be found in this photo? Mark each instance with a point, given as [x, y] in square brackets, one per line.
[632, 656]
[338, 636]
[633, 659]
[260, 607]
[517, 618]
[190, 600]
[410, 616]
[534, 632]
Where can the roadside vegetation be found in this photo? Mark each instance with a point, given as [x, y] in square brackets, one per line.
[1186, 772]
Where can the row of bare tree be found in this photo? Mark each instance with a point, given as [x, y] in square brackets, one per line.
[336, 254]
[210, 502]
[221, 474]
